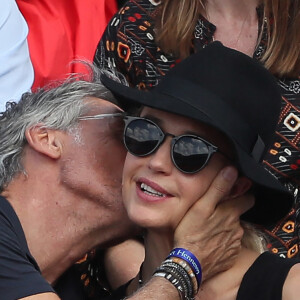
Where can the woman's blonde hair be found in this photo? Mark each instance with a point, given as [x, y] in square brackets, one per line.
[177, 20]
[253, 238]
[282, 56]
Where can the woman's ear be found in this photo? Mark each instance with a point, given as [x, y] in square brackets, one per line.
[241, 186]
[44, 140]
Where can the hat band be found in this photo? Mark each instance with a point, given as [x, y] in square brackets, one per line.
[258, 149]
[222, 116]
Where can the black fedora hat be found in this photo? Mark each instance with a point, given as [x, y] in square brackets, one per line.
[235, 94]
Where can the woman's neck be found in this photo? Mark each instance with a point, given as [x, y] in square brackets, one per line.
[230, 9]
[236, 22]
[157, 247]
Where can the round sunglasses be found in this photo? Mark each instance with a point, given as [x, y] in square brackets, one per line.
[189, 153]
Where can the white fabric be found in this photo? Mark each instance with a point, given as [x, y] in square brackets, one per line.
[16, 71]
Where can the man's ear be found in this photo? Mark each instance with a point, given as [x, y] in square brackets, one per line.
[44, 140]
[241, 186]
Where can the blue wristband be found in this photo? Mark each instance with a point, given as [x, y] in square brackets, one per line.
[191, 259]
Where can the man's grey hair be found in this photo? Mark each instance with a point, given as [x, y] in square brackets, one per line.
[56, 107]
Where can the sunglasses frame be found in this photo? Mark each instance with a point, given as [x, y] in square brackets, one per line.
[211, 148]
[102, 116]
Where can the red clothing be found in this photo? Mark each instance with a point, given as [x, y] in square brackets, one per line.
[61, 31]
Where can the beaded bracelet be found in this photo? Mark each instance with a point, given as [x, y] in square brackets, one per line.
[188, 270]
[182, 277]
[187, 284]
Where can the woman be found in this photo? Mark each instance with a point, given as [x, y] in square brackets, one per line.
[147, 38]
[195, 122]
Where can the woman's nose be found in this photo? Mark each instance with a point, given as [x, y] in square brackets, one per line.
[160, 161]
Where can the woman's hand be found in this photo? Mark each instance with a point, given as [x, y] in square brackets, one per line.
[211, 229]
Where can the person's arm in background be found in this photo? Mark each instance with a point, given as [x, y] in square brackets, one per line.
[16, 71]
[291, 287]
[44, 296]
[122, 262]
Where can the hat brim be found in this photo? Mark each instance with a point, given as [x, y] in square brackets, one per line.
[273, 201]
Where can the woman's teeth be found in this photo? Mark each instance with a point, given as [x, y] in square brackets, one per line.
[150, 191]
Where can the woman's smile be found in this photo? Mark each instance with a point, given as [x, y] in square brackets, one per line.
[150, 191]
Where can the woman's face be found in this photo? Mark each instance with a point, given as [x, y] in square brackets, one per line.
[157, 173]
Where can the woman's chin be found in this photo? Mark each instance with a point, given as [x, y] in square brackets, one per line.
[150, 222]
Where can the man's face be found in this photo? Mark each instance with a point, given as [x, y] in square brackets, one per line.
[92, 164]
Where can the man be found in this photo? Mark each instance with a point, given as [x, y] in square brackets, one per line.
[61, 160]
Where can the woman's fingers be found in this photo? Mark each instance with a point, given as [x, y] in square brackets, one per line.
[220, 187]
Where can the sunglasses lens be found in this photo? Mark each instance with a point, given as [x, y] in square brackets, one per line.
[190, 154]
[141, 137]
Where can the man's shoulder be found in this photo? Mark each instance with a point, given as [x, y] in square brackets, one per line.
[8, 218]
[12, 238]
[19, 273]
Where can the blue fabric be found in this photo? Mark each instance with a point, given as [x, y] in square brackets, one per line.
[16, 71]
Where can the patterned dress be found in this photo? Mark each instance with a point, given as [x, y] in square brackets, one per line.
[128, 46]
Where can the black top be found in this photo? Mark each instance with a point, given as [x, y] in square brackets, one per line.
[70, 287]
[19, 273]
[265, 278]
